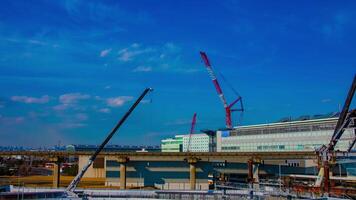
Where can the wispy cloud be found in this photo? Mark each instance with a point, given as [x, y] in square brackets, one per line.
[105, 52]
[37, 42]
[118, 101]
[171, 47]
[104, 110]
[142, 69]
[31, 100]
[71, 125]
[11, 120]
[179, 122]
[129, 53]
[326, 100]
[61, 107]
[337, 24]
[71, 98]
[166, 57]
[81, 116]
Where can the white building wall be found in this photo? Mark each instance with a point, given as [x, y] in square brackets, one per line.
[295, 141]
[198, 143]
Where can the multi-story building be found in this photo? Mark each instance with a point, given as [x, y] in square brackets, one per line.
[197, 143]
[172, 144]
[300, 135]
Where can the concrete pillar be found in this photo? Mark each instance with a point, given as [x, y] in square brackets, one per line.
[192, 175]
[122, 176]
[256, 179]
[250, 171]
[123, 161]
[192, 172]
[255, 171]
[56, 175]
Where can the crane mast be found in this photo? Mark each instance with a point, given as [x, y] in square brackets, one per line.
[227, 107]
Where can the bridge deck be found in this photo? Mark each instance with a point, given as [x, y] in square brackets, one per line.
[173, 155]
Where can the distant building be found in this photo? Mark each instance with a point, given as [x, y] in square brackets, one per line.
[172, 144]
[305, 134]
[199, 143]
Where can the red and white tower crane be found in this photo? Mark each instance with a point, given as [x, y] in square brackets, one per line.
[228, 107]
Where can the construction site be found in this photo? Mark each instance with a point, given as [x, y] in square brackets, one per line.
[311, 157]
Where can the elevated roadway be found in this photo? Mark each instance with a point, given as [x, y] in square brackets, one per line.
[161, 156]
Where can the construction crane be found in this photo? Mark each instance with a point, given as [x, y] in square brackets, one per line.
[347, 119]
[192, 127]
[71, 187]
[228, 107]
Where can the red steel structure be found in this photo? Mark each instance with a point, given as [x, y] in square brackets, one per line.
[228, 107]
[194, 120]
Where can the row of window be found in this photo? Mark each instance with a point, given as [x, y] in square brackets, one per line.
[272, 147]
[286, 129]
[230, 148]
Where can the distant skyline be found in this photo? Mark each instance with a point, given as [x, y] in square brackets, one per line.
[70, 69]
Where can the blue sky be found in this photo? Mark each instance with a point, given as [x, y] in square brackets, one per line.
[70, 69]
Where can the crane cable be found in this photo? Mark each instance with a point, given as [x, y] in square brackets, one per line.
[234, 91]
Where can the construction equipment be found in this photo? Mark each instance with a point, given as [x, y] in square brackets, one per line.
[71, 187]
[228, 107]
[194, 120]
[347, 119]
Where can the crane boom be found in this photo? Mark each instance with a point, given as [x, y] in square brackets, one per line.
[345, 118]
[194, 120]
[71, 187]
[227, 106]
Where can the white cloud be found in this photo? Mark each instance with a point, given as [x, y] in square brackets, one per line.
[71, 98]
[127, 54]
[71, 125]
[144, 101]
[105, 52]
[142, 69]
[172, 47]
[37, 42]
[61, 107]
[105, 110]
[118, 101]
[31, 100]
[135, 45]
